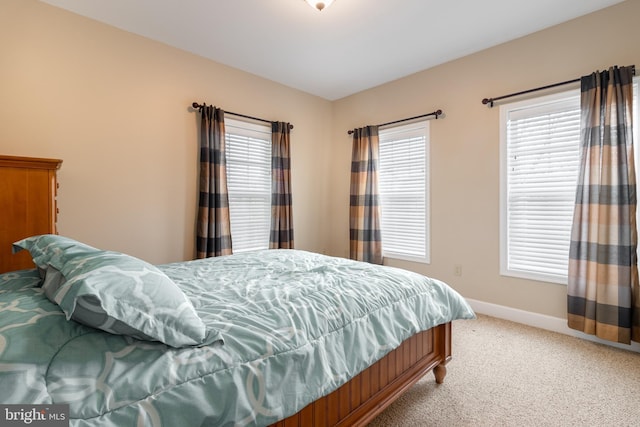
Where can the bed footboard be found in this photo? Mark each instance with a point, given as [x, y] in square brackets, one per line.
[365, 396]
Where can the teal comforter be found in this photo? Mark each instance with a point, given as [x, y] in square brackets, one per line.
[296, 325]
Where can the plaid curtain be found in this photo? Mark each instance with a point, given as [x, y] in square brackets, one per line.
[281, 235]
[602, 291]
[214, 228]
[364, 209]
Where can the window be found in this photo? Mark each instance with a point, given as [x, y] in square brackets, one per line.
[404, 191]
[540, 158]
[540, 148]
[636, 145]
[248, 149]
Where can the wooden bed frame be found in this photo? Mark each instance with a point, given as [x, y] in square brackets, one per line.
[365, 396]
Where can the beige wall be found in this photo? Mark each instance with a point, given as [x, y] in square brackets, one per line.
[465, 174]
[114, 107]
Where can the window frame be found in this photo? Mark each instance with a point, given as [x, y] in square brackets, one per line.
[423, 128]
[505, 109]
[254, 132]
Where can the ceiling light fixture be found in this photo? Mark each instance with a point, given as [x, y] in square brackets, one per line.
[319, 5]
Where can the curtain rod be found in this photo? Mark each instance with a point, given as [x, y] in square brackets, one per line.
[490, 101]
[434, 113]
[196, 105]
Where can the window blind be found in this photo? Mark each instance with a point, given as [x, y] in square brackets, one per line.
[542, 163]
[403, 187]
[248, 150]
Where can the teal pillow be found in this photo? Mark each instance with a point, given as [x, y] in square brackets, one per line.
[116, 292]
[51, 249]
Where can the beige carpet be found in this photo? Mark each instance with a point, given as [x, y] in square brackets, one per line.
[506, 374]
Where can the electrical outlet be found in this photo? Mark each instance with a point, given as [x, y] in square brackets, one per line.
[457, 270]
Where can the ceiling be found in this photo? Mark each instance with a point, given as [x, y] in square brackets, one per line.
[349, 47]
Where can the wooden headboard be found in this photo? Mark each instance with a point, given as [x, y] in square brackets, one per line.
[28, 189]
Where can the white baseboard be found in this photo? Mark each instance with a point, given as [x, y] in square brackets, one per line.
[541, 321]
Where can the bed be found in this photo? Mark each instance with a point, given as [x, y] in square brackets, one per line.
[274, 337]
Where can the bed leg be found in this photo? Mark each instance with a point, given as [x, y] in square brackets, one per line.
[440, 371]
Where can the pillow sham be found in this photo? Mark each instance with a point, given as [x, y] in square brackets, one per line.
[116, 292]
[52, 249]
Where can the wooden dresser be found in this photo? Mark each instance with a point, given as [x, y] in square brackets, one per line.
[27, 205]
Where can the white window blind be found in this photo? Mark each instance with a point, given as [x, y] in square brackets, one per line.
[404, 191]
[540, 147]
[248, 149]
[636, 145]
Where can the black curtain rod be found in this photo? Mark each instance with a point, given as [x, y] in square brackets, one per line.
[196, 105]
[434, 113]
[490, 101]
